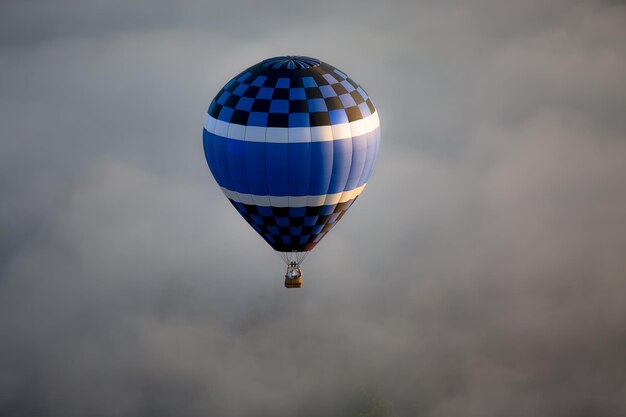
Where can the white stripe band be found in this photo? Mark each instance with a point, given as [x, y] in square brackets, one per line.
[287, 201]
[292, 134]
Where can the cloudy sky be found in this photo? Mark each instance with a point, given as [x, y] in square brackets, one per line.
[482, 273]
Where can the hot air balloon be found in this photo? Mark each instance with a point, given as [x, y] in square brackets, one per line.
[291, 141]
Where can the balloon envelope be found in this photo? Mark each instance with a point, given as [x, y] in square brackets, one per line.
[292, 142]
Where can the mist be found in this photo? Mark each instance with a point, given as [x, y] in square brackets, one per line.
[481, 273]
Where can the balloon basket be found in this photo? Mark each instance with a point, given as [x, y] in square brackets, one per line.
[293, 276]
[293, 282]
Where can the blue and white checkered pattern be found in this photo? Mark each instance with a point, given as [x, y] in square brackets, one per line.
[292, 142]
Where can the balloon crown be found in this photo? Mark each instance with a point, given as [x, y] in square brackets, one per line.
[291, 62]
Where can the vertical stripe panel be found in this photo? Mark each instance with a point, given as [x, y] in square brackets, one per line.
[221, 161]
[255, 160]
[299, 168]
[207, 142]
[342, 160]
[321, 167]
[237, 165]
[359, 154]
[372, 152]
[277, 163]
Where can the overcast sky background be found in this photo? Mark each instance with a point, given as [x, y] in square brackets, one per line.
[482, 272]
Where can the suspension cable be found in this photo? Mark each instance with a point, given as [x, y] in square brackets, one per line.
[289, 257]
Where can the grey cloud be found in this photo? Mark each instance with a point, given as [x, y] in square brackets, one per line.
[480, 273]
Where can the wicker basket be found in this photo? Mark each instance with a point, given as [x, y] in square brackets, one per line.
[293, 283]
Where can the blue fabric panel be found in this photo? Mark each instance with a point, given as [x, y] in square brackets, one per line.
[282, 83]
[221, 161]
[327, 91]
[257, 119]
[299, 172]
[327, 210]
[373, 140]
[338, 116]
[297, 94]
[321, 167]
[297, 211]
[258, 81]
[279, 106]
[277, 161]
[362, 93]
[255, 167]
[212, 106]
[347, 100]
[369, 152]
[244, 77]
[377, 143]
[308, 82]
[349, 88]
[264, 211]
[299, 120]
[317, 230]
[359, 155]
[245, 103]
[369, 158]
[225, 114]
[223, 98]
[241, 88]
[342, 159]
[282, 221]
[265, 93]
[295, 231]
[364, 109]
[330, 79]
[376, 151]
[230, 84]
[317, 105]
[341, 74]
[237, 164]
[207, 142]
